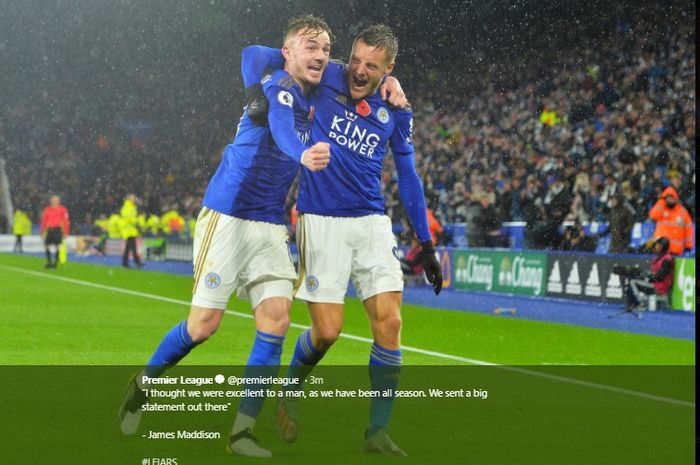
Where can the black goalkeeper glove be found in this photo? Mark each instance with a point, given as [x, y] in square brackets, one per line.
[431, 265]
[257, 105]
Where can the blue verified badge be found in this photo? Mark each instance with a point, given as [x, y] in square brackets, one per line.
[212, 280]
[285, 98]
[311, 283]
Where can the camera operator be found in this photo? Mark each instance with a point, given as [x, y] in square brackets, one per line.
[658, 282]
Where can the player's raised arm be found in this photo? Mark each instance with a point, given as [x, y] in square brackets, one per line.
[281, 120]
[411, 193]
[255, 59]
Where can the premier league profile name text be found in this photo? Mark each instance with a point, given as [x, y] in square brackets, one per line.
[205, 381]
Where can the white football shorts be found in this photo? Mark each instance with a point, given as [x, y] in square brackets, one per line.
[249, 257]
[333, 250]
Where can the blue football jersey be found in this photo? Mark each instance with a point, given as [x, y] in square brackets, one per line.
[256, 172]
[359, 134]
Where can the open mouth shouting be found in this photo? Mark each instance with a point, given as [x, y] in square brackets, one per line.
[358, 84]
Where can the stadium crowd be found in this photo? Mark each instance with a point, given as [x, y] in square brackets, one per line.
[604, 131]
[593, 133]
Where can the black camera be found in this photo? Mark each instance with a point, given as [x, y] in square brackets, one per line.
[627, 271]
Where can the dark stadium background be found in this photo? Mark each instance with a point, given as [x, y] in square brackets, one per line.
[102, 98]
[168, 72]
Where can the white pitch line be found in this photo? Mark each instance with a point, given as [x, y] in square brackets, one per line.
[522, 371]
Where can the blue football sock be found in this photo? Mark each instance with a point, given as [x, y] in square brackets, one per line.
[174, 346]
[384, 369]
[264, 361]
[305, 358]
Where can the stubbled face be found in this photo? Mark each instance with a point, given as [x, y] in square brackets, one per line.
[368, 66]
[307, 54]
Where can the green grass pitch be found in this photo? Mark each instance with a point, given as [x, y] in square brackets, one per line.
[45, 320]
[108, 321]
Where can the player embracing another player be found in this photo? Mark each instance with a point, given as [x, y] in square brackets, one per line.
[343, 233]
[241, 241]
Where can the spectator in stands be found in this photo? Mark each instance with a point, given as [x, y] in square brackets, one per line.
[659, 281]
[576, 239]
[621, 222]
[558, 198]
[580, 207]
[488, 223]
[544, 234]
[610, 189]
[475, 233]
[672, 222]
[458, 202]
[509, 200]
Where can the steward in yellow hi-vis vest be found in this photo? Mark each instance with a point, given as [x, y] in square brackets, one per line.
[114, 226]
[172, 223]
[21, 226]
[153, 225]
[129, 230]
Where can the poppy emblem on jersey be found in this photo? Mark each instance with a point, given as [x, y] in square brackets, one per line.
[363, 108]
[311, 283]
[383, 115]
[311, 113]
[212, 280]
[285, 98]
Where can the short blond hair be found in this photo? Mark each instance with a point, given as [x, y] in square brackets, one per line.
[312, 24]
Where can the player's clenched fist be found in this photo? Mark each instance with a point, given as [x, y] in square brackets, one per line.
[317, 156]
